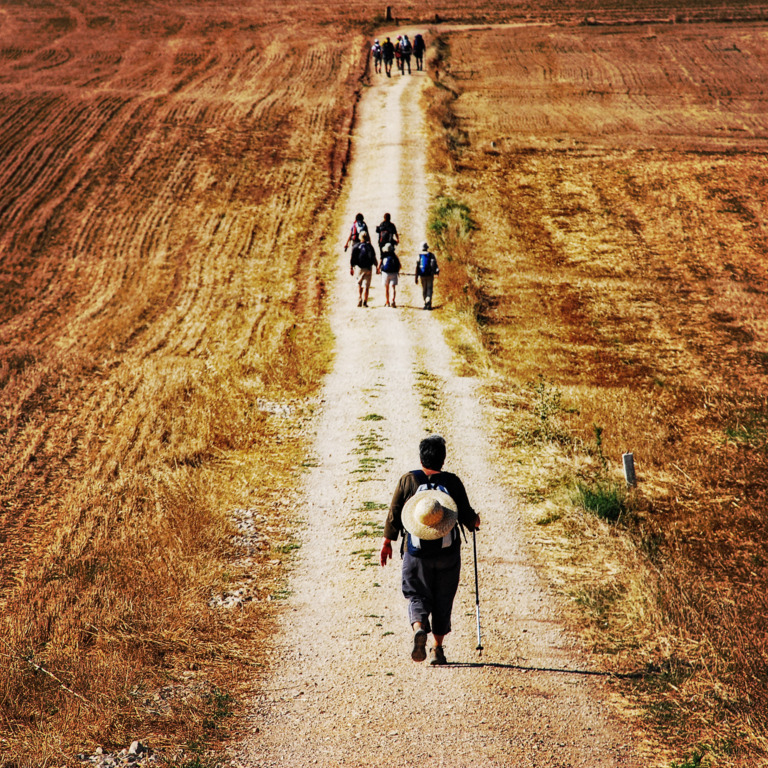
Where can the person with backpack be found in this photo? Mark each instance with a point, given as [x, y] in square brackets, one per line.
[358, 227]
[376, 53]
[428, 509]
[388, 55]
[387, 232]
[390, 268]
[399, 54]
[406, 49]
[364, 258]
[418, 51]
[426, 269]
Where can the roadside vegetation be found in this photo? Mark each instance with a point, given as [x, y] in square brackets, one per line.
[604, 254]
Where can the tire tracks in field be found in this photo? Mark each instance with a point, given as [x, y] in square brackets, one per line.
[148, 226]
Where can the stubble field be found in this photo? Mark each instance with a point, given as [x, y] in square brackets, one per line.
[618, 284]
[169, 175]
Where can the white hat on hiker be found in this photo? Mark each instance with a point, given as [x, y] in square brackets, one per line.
[386, 247]
[429, 514]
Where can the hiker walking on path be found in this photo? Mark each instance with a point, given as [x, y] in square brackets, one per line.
[358, 227]
[428, 508]
[418, 51]
[376, 53]
[406, 49]
[390, 267]
[387, 232]
[399, 54]
[426, 269]
[387, 55]
[364, 259]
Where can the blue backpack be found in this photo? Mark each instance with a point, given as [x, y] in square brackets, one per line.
[427, 264]
[390, 262]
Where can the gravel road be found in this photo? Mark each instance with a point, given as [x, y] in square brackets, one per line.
[343, 690]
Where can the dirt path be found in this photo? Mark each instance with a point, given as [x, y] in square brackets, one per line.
[344, 690]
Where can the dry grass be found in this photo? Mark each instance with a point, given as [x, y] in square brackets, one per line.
[619, 290]
[162, 277]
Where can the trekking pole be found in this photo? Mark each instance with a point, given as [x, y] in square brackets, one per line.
[477, 595]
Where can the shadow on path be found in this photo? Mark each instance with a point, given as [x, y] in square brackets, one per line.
[521, 668]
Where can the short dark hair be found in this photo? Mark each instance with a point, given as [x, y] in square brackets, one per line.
[432, 452]
[387, 217]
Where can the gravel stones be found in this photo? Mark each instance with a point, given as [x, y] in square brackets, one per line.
[136, 755]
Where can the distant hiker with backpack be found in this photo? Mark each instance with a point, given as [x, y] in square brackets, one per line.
[426, 269]
[406, 49]
[418, 51]
[388, 55]
[358, 227]
[390, 268]
[429, 507]
[364, 259]
[399, 54]
[376, 53]
[387, 232]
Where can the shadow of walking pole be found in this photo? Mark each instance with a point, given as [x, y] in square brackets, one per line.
[556, 670]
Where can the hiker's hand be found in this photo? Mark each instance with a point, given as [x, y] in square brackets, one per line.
[346, 247]
[386, 551]
[477, 522]
[352, 271]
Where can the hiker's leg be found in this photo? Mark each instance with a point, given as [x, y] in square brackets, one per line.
[426, 289]
[445, 583]
[416, 591]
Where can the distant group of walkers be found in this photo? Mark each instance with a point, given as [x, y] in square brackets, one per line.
[364, 260]
[399, 52]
